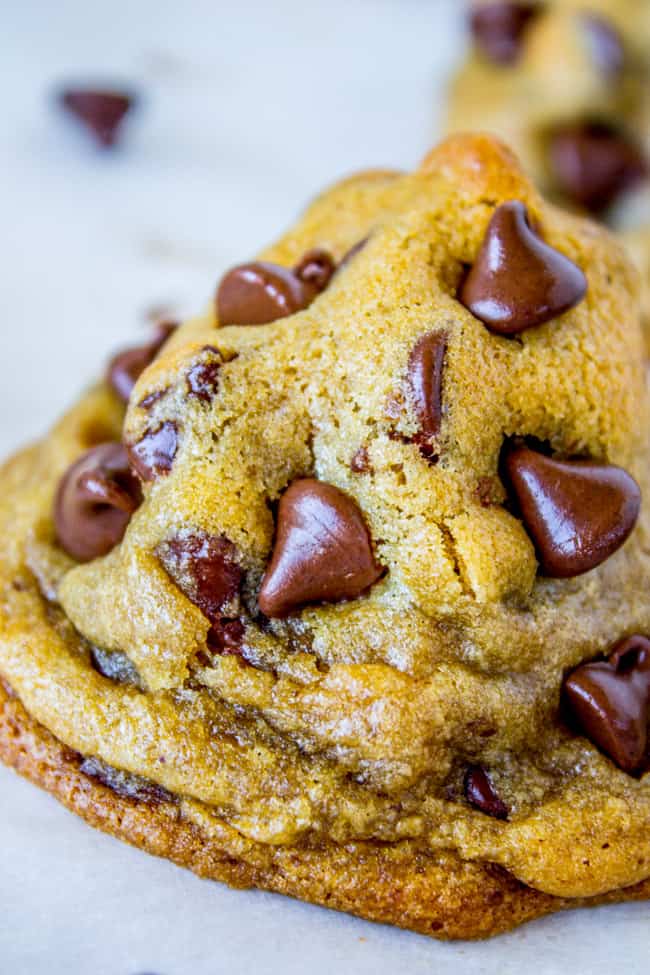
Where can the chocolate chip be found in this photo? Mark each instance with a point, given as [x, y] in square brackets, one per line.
[517, 280]
[610, 699]
[94, 502]
[126, 367]
[593, 164]
[203, 377]
[316, 269]
[125, 784]
[577, 513]
[154, 452]
[606, 44]
[360, 463]
[322, 551]
[102, 112]
[480, 793]
[261, 292]
[226, 637]
[114, 665]
[205, 569]
[152, 398]
[424, 380]
[498, 29]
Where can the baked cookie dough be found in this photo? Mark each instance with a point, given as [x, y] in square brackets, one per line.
[567, 84]
[340, 589]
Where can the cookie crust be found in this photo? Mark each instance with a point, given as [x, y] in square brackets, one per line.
[403, 885]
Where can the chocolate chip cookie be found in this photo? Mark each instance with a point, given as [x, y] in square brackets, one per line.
[566, 83]
[340, 589]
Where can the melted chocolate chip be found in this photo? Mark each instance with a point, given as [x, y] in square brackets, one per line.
[94, 502]
[322, 551]
[610, 702]
[316, 269]
[577, 513]
[226, 637]
[498, 29]
[606, 44]
[593, 164]
[481, 794]
[425, 387]
[360, 463]
[205, 569]
[203, 378]
[102, 112]
[517, 280]
[125, 784]
[126, 367]
[154, 452]
[115, 665]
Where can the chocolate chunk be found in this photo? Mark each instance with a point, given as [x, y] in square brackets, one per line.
[425, 387]
[481, 794]
[322, 551]
[593, 164]
[498, 29]
[360, 463]
[577, 513]
[154, 452]
[226, 637]
[610, 701]
[316, 269]
[518, 281]
[606, 44]
[94, 502]
[102, 112]
[126, 367]
[261, 292]
[203, 377]
[258, 293]
[205, 569]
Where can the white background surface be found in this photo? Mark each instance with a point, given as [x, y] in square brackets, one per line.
[248, 107]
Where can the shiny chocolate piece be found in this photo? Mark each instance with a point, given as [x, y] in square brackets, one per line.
[424, 379]
[154, 452]
[322, 550]
[205, 569]
[577, 513]
[203, 377]
[517, 280]
[592, 164]
[498, 29]
[316, 269]
[610, 702]
[101, 112]
[481, 794]
[127, 366]
[606, 44]
[94, 502]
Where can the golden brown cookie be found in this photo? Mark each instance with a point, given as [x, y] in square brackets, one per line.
[566, 83]
[368, 627]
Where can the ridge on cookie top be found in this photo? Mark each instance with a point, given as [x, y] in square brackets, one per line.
[365, 557]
